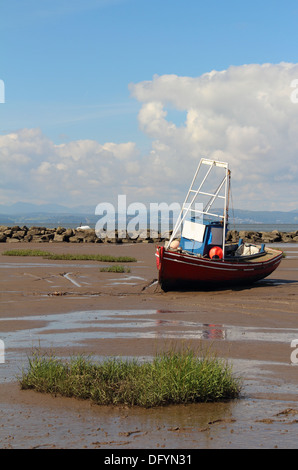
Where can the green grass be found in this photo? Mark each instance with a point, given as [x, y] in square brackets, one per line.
[170, 378]
[26, 253]
[53, 256]
[118, 268]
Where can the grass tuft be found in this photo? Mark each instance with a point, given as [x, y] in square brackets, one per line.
[118, 268]
[26, 253]
[170, 378]
[53, 256]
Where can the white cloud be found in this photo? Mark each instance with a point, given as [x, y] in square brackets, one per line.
[243, 115]
[80, 172]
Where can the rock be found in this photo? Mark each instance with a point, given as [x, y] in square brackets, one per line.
[37, 239]
[19, 234]
[133, 235]
[47, 237]
[69, 232]
[61, 234]
[60, 230]
[121, 234]
[90, 239]
[34, 231]
[101, 234]
[267, 237]
[166, 235]
[8, 232]
[60, 237]
[74, 239]
[233, 236]
[286, 237]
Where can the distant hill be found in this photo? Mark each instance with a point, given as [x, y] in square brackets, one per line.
[264, 217]
[55, 215]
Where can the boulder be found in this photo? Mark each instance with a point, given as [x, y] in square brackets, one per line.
[60, 230]
[286, 237]
[232, 236]
[74, 239]
[60, 237]
[18, 234]
[69, 232]
[34, 231]
[268, 237]
[47, 237]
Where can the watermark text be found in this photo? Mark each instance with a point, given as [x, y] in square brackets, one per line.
[136, 219]
[2, 352]
[294, 94]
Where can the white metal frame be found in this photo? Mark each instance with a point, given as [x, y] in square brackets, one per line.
[189, 202]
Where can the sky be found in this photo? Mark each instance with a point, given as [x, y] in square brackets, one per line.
[108, 97]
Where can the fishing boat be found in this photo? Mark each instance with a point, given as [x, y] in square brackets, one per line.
[197, 254]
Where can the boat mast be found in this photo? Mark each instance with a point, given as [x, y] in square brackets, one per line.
[188, 206]
[226, 208]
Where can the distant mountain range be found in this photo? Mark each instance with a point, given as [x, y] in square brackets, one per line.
[264, 217]
[23, 213]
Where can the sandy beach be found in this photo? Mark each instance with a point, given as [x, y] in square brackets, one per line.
[71, 307]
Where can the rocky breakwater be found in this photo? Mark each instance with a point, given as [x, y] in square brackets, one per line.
[69, 235]
[55, 235]
[263, 237]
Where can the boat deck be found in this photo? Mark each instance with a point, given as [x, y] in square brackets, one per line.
[257, 258]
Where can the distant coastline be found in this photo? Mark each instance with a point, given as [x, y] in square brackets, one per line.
[42, 234]
[53, 216]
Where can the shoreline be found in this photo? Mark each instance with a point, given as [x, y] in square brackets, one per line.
[35, 234]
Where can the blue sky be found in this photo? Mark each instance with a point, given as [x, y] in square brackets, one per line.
[69, 65]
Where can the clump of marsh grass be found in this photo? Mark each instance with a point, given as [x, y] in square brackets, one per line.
[26, 253]
[67, 256]
[170, 378]
[118, 268]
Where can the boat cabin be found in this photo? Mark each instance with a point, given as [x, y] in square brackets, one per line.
[200, 237]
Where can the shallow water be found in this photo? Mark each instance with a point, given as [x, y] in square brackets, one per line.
[248, 422]
[72, 329]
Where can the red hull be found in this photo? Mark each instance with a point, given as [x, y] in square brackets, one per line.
[179, 270]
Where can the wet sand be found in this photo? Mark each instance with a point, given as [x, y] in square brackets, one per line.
[70, 307]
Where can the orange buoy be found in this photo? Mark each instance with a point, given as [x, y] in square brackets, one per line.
[216, 252]
[174, 245]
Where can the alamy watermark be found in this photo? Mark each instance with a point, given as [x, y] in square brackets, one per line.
[2, 352]
[2, 91]
[137, 219]
[294, 353]
[294, 94]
